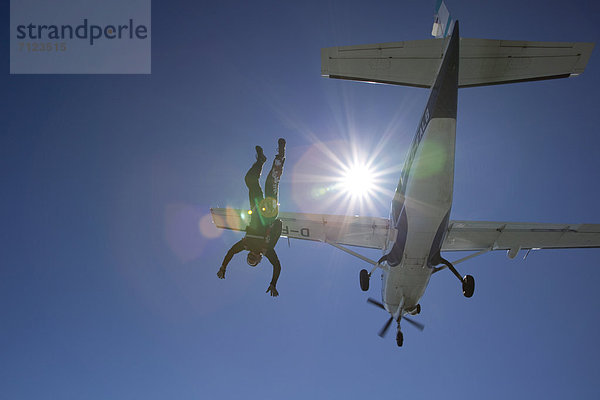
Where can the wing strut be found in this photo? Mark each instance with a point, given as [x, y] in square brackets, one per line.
[355, 254]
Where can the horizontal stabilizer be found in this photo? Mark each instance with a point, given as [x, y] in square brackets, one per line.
[370, 232]
[482, 61]
[480, 235]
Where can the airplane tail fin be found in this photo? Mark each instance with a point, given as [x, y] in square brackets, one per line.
[442, 21]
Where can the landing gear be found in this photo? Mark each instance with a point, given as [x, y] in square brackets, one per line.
[399, 338]
[468, 286]
[364, 280]
[468, 282]
[416, 310]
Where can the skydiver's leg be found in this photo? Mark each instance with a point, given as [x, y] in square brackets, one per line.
[272, 183]
[254, 191]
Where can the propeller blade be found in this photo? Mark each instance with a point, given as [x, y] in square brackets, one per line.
[383, 330]
[375, 303]
[414, 323]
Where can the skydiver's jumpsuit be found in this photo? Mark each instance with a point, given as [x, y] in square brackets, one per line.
[264, 229]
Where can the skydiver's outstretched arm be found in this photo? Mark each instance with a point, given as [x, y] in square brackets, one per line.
[272, 257]
[236, 248]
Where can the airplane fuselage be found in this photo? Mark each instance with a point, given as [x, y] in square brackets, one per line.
[423, 199]
[427, 204]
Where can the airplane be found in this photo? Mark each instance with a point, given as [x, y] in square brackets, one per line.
[419, 229]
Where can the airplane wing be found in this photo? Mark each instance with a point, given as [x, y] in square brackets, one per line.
[480, 235]
[369, 232]
[373, 232]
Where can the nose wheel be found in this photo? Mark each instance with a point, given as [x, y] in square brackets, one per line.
[399, 338]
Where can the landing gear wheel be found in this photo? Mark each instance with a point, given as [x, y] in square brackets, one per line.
[468, 285]
[418, 310]
[364, 280]
[399, 339]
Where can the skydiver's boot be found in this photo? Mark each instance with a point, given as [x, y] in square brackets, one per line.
[281, 149]
[260, 156]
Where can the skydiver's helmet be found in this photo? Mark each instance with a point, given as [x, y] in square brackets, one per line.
[253, 259]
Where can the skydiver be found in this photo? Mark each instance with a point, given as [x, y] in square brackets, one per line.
[264, 229]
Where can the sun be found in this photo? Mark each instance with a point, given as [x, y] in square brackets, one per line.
[349, 177]
[358, 180]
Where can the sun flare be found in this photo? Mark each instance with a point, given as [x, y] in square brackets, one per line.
[358, 181]
[346, 177]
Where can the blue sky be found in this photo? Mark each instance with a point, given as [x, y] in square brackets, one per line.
[108, 284]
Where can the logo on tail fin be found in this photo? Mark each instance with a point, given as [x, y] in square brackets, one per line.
[442, 21]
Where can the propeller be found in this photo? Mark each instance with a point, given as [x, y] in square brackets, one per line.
[414, 323]
[375, 303]
[385, 328]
